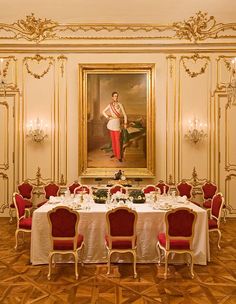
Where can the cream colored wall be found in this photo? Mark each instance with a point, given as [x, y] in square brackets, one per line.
[179, 97]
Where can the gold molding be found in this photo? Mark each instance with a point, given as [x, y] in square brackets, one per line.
[196, 57]
[199, 27]
[5, 165]
[6, 199]
[39, 58]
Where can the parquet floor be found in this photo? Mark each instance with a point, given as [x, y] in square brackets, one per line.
[21, 282]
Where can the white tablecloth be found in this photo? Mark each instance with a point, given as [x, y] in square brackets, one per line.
[93, 226]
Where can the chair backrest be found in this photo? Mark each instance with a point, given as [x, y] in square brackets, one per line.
[180, 224]
[117, 188]
[25, 190]
[209, 190]
[149, 188]
[73, 186]
[63, 223]
[121, 223]
[163, 187]
[82, 189]
[185, 189]
[216, 207]
[51, 189]
[19, 204]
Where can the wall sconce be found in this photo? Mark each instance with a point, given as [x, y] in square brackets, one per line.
[196, 131]
[37, 130]
[231, 86]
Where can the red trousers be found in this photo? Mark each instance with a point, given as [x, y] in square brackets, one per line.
[115, 139]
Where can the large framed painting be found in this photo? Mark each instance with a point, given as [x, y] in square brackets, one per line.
[116, 120]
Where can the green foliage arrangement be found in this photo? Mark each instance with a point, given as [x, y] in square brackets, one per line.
[100, 196]
[138, 196]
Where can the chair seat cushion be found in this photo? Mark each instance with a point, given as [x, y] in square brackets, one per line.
[67, 244]
[26, 223]
[207, 203]
[119, 244]
[212, 224]
[174, 244]
[28, 203]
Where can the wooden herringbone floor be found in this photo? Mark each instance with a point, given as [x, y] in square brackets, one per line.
[21, 282]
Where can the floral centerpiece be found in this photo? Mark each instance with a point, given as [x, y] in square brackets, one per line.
[137, 196]
[100, 196]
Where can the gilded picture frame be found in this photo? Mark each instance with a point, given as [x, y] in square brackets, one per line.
[130, 88]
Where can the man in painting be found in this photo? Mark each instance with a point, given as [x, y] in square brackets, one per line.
[114, 112]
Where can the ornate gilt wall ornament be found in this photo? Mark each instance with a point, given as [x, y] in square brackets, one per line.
[197, 28]
[32, 29]
[62, 60]
[201, 27]
[195, 58]
[38, 58]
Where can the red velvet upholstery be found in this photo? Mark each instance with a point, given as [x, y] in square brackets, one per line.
[209, 190]
[73, 186]
[180, 223]
[67, 244]
[119, 244]
[216, 205]
[212, 224]
[185, 189]
[20, 204]
[25, 190]
[51, 190]
[63, 223]
[121, 223]
[161, 186]
[174, 244]
[25, 223]
[149, 189]
[83, 188]
[117, 188]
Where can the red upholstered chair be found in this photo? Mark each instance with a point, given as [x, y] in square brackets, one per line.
[185, 189]
[162, 186]
[117, 188]
[26, 191]
[64, 234]
[23, 223]
[121, 233]
[214, 221]
[50, 189]
[178, 237]
[149, 188]
[83, 189]
[73, 186]
[208, 190]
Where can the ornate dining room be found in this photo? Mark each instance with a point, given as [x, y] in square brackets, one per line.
[117, 155]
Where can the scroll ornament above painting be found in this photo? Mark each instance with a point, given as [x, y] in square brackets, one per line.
[197, 28]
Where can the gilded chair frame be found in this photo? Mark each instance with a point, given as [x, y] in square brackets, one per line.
[74, 252]
[131, 238]
[169, 238]
[217, 218]
[18, 229]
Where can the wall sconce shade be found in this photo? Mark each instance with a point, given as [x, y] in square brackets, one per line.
[195, 132]
[37, 130]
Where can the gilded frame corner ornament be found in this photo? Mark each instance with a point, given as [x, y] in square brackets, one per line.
[95, 95]
[199, 27]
